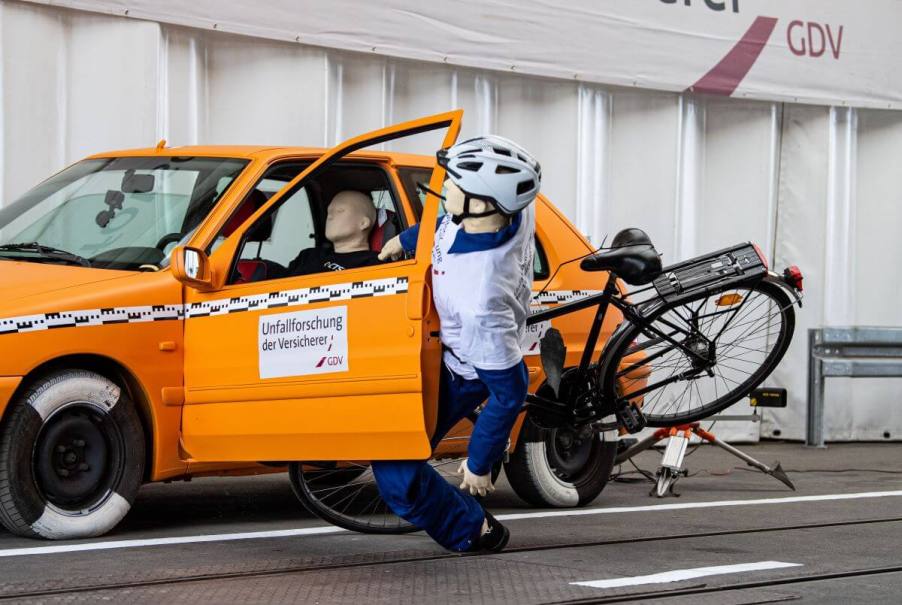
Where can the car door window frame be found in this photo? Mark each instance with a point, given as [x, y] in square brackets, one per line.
[317, 209]
[449, 122]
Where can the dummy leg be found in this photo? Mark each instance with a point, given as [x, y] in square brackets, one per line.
[417, 493]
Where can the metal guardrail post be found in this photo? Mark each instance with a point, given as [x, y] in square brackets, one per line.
[814, 435]
[849, 351]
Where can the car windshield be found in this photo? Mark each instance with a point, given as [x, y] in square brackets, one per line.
[115, 213]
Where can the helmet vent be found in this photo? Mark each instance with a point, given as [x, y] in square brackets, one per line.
[501, 151]
[524, 186]
[472, 166]
[499, 169]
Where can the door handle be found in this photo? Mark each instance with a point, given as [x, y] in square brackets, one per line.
[419, 300]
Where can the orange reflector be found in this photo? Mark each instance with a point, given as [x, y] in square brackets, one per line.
[729, 299]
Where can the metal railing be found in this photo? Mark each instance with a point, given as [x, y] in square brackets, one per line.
[855, 352]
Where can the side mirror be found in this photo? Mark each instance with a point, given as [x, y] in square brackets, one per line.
[191, 267]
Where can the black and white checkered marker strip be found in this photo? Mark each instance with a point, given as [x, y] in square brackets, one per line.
[257, 302]
[553, 297]
[301, 296]
[89, 317]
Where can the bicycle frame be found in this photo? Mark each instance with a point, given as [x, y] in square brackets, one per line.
[603, 300]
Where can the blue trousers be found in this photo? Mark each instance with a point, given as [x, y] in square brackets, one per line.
[418, 493]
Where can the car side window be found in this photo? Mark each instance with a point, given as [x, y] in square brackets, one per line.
[539, 261]
[293, 237]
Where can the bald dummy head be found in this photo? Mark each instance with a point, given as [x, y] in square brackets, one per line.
[349, 220]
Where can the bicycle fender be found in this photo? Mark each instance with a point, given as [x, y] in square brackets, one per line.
[777, 279]
[609, 345]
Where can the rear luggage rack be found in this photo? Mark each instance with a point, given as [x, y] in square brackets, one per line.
[737, 264]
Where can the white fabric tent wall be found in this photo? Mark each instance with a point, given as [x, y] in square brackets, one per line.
[815, 186]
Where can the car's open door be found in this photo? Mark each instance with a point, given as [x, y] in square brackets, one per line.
[341, 365]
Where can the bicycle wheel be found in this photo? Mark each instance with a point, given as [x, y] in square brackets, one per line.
[718, 348]
[345, 494]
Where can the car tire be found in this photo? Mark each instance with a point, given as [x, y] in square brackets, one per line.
[71, 457]
[543, 475]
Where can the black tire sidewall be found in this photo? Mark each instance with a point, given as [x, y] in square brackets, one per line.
[23, 508]
[530, 474]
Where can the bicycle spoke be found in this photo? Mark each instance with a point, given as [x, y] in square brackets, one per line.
[676, 379]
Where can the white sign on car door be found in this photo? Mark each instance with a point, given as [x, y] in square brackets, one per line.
[303, 342]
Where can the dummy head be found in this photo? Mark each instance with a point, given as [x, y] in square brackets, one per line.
[454, 200]
[349, 219]
[454, 205]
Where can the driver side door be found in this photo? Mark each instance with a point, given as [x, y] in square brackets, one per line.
[328, 366]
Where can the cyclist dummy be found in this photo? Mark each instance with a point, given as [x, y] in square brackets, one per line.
[482, 265]
[350, 217]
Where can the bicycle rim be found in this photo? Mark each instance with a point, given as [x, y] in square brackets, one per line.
[744, 330]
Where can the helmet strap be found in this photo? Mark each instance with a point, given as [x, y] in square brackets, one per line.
[457, 218]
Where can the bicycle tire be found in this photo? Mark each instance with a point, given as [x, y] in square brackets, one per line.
[318, 490]
[626, 343]
[304, 483]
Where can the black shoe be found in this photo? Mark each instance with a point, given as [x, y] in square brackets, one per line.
[493, 540]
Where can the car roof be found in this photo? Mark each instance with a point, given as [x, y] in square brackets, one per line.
[266, 153]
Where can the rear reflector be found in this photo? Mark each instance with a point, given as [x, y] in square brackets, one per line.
[728, 300]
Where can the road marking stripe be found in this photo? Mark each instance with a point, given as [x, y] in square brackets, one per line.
[113, 544]
[328, 529]
[678, 575]
[689, 505]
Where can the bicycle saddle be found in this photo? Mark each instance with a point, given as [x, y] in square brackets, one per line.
[632, 258]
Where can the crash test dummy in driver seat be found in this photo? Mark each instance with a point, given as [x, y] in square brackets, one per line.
[350, 217]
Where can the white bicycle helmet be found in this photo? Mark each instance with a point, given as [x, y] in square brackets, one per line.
[493, 169]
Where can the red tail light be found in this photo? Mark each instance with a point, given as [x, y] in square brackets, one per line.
[793, 276]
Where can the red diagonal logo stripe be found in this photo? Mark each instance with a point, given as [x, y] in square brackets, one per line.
[732, 69]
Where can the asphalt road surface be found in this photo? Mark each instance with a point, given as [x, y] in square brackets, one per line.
[734, 535]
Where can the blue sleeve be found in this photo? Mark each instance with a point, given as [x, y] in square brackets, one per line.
[507, 392]
[409, 236]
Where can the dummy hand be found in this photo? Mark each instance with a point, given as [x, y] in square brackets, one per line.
[392, 249]
[477, 484]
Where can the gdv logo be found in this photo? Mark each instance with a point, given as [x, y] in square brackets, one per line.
[712, 4]
[331, 360]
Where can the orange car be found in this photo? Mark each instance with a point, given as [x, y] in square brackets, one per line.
[149, 329]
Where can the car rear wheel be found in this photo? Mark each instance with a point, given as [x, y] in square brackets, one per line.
[71, 457]
[560, 467]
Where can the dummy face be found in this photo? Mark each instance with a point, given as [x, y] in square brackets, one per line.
[349, 217]
[454, 200]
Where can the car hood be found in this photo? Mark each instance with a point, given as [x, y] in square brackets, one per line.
[22, 279]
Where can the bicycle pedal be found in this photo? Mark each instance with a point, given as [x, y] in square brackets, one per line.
[631, 418]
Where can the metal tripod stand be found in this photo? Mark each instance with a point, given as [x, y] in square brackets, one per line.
[671, 468]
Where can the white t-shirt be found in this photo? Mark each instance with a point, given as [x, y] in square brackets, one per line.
[482, 285]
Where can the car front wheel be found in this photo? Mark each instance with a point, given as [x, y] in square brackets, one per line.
[561, 467]
[71, 457]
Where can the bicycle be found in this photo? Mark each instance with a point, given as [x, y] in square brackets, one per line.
[706, 333]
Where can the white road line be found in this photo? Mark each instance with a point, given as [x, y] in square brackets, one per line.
[679, 575]
[113, 544]
[688, 505]
[328, 529]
